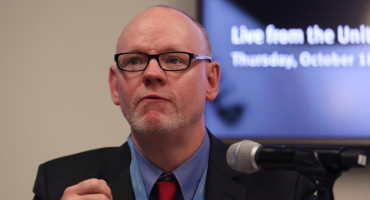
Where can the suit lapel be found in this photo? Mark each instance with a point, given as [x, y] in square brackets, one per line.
[118, 175]
[221, 183]
[221, 186]
[121, 185]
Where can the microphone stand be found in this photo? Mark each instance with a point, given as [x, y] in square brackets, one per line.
[324, 184]
[323, 175]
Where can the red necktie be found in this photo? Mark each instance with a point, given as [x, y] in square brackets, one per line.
[166, 190]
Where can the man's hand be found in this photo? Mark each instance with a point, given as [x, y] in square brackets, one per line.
[91, 189]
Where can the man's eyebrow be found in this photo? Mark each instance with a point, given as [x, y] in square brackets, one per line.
[162, 51]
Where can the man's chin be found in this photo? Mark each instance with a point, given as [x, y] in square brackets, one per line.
[150, 129]
[156, 125]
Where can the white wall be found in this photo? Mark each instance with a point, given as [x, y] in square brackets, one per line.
[54, 60]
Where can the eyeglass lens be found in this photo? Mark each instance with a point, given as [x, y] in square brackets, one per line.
[168, 61]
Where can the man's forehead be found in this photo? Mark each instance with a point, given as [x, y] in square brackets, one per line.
[155, 21]
[158, 16]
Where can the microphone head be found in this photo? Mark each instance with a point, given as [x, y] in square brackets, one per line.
[241, 156]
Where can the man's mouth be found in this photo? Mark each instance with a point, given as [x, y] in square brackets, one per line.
[154, 97]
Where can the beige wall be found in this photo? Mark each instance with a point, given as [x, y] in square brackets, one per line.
[54, 59]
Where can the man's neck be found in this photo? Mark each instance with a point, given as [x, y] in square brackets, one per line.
[170, 150]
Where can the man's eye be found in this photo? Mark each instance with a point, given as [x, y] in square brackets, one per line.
[175, 61]
[134, 61]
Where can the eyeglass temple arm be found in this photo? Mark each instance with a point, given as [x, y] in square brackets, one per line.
[202, 57]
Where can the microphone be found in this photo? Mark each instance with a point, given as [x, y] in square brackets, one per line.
[248, 157]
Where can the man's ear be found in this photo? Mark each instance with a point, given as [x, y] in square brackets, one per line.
[113, 84]
[213, 79]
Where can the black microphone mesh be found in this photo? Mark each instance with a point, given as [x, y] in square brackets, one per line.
[241, 156]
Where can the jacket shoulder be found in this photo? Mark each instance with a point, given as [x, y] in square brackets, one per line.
[94, 156]
[89, 163]
[55, 175]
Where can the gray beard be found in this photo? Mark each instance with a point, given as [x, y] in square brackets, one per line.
[164, 125]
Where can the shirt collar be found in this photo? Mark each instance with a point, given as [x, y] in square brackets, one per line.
[187, 174]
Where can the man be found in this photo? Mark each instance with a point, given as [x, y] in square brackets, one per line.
[164, 75]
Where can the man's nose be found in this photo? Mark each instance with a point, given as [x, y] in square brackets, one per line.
[154, 74]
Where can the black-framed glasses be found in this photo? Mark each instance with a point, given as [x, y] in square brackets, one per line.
[168, 61]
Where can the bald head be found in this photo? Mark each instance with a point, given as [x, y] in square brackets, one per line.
[164, 27]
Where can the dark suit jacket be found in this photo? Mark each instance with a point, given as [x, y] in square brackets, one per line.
[113, 165]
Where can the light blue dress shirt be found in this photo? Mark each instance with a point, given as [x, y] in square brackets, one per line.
[187, 174]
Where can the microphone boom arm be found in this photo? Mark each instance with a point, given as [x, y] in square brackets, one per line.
[321, 165]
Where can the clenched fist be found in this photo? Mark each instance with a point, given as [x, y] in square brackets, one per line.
[91, 189]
